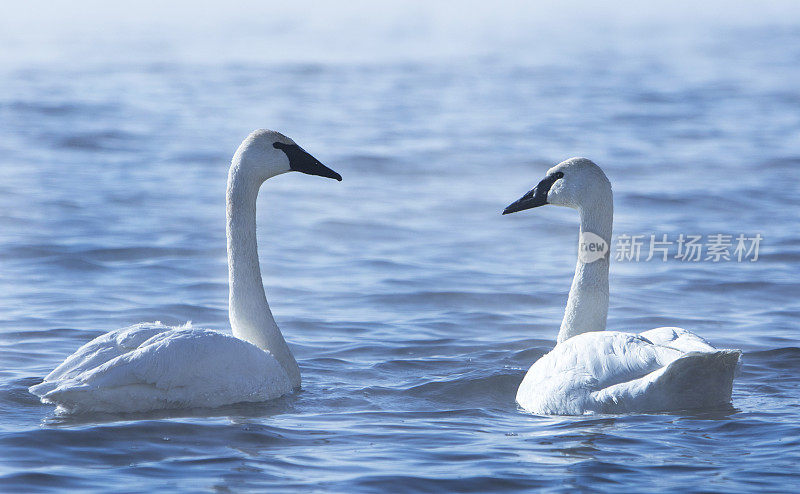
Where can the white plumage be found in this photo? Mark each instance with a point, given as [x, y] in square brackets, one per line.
[151, 366]
[616, 372]
[591, 370]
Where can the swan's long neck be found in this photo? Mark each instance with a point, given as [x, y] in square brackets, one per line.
[587, 306]
[251, 319]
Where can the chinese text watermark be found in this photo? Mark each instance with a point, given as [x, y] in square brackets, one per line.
[717, 247]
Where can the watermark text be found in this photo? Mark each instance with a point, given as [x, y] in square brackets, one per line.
[717, 247]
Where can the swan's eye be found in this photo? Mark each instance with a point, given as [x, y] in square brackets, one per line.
[558, 175]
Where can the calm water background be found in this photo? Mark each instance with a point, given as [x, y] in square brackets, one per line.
[412, 306]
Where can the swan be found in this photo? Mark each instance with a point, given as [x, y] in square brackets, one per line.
[151, 366]
[591, 370]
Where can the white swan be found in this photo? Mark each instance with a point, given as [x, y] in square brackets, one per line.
[593, 370]
[152, 366]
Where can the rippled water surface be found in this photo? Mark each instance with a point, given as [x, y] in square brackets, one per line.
[413, 307]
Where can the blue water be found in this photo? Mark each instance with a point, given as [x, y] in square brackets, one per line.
[413, 307]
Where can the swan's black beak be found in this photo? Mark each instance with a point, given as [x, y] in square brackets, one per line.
[301, 161]
[534, 198]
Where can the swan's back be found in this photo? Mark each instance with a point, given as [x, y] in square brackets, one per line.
[616, 372]
[174, 368]
[678, 338]
[106, 347]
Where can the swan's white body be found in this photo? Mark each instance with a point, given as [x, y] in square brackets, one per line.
[152, 366]
[614, 372]
[591, 370]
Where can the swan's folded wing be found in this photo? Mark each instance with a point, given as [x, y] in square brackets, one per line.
[679, 339]
[611, 357]
[561, 381]
[695, 380]
[104, 348]
[175, 369]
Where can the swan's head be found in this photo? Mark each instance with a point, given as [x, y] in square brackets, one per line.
[266, 153]
[575, 183]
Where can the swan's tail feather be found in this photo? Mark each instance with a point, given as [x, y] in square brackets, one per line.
[700, 379]
[61, 393]
[42, 388]
[695, 380]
